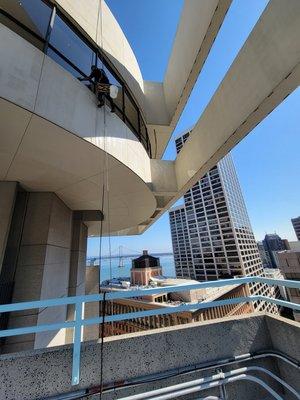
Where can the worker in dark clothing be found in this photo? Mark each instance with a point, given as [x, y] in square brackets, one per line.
[100, 77]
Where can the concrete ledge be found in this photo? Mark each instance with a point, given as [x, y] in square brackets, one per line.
[41, 373]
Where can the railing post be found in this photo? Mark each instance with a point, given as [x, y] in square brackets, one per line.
[77, 344]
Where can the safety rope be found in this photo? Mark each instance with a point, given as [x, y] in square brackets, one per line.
[105, 190]
[102, 344]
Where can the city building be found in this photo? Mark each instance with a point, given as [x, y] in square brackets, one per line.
[264, 255]
[289, 264]
[294, 245]
[272, 244]
[72, 167]
[296, 226]
[144, 268]
[279, 292]
[211, 233]
[146, 272]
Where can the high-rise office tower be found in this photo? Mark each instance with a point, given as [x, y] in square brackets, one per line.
[211, 233]
[296, 225]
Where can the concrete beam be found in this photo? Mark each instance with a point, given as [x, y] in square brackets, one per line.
[199, 24]
[265, 72]
[198, 27]
[163, 179]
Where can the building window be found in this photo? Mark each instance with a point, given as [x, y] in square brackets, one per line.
[65, 41]
[28, 18]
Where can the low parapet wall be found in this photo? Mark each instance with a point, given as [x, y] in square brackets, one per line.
[41, 373]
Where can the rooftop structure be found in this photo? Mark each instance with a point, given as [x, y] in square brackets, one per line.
[144, 276]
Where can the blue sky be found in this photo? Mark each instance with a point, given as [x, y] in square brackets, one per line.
[267, 160]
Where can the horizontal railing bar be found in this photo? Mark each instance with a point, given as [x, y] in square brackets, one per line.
[201, 285]
[144, 292]
[148, 313]
[37, 329]
[188, 307]
[171, 310]
[282, 303]
[61, 301]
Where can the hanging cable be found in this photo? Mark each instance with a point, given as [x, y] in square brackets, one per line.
[102, 344]
[105, 190]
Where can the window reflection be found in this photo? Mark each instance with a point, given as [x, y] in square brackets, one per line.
[71, 46]
[32, 14]
[131, 113]
[66, 65]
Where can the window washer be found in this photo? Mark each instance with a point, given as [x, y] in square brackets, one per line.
[102, 86]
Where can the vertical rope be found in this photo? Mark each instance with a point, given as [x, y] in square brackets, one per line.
[105, 190]
[102, 344]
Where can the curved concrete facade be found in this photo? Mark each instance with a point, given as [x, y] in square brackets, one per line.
[265, 71]
[161, 102]
[58, 140]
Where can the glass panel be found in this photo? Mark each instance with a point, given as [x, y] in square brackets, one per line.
[131, 113]
[144, 133]
[34, 14]
[71, 46]
[64, 64]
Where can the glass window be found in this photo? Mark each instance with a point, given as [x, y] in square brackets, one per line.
[66, 41]
[51, 53]
[131, 113]
[33, 14]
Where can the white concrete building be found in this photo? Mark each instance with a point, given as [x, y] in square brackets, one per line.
[69, 170]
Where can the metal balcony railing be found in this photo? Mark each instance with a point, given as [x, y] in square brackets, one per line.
[78, 301]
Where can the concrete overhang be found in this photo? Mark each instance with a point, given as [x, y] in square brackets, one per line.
[199, 24]
[264, 73]
[53, 138]
[59, 145]
[161, 102]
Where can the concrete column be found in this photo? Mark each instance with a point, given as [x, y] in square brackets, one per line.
[91, 310]
[42, 269]
[77, 268]
[7, 201]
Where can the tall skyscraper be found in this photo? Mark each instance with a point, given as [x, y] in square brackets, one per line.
[272, 244]
[211, 233]
[296, 225]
